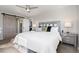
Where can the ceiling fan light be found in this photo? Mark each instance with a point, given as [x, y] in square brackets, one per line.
[28, 9]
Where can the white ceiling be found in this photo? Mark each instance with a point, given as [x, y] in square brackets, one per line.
[14, 10]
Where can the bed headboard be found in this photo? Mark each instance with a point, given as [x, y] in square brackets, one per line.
[52, 23]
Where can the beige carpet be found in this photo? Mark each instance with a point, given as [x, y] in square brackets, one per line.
[8, 48]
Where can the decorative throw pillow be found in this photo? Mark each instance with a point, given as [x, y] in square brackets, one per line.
[48, 28]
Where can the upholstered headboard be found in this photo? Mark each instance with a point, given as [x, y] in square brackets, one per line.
[52, 23]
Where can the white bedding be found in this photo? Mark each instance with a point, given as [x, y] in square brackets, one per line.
[41, 42]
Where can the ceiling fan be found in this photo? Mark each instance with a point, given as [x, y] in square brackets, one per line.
[27, 7]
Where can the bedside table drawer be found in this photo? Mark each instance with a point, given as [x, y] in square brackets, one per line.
[70, 37]
[69, 40]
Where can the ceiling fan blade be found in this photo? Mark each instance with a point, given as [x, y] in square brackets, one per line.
[20, 6]
[27, 6]
[33, 7]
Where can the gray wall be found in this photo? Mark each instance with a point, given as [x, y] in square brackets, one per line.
[78, 23]
[78, 19]
[1, 26]
[58, 13]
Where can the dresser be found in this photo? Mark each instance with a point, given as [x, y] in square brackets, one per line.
[70, 38]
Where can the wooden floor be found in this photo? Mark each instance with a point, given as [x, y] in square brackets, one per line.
[66, 48]
[63, 48]
[8, 48]
[4, 41]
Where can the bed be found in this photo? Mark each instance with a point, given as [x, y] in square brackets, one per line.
[40, 42]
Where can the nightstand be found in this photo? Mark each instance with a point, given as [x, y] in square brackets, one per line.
[70, 38]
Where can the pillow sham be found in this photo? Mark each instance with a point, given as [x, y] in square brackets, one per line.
[54, 29]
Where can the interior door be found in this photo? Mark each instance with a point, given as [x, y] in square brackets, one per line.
[9, 27]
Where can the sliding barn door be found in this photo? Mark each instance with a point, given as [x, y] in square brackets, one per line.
[9, 27]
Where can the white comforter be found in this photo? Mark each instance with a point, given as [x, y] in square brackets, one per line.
[42, 42]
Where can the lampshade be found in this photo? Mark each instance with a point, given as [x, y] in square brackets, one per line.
[68, 24]
[34, 25]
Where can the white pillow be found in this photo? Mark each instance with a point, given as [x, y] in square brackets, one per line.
[54, 29]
